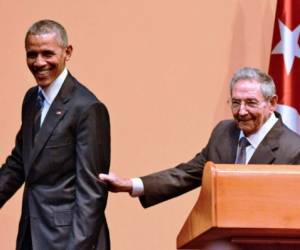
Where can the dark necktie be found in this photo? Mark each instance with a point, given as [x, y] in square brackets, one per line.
[37, 118]
[241, 158]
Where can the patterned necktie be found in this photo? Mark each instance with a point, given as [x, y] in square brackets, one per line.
[37, 118]
[241, 158]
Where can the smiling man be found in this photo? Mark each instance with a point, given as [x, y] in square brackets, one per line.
[256, 135]
[63, 143]
[46, 56]
[252, 103]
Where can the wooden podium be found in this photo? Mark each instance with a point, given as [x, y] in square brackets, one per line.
[253, 207]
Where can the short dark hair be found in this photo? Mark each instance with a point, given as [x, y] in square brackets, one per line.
[49, 26]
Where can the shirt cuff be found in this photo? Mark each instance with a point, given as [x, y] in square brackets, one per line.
[137, 187]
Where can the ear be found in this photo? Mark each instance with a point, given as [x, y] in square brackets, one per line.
[68, 50]
[273, 102]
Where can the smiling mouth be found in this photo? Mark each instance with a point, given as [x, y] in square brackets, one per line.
[41, 73]
[243, 121]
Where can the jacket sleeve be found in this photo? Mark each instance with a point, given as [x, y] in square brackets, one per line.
[12, 172]
[170, 183]
[92, 157]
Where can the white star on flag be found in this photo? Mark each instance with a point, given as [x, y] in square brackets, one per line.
[288, 45]
[284, 61]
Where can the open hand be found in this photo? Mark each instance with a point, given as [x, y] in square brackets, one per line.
[115, 183]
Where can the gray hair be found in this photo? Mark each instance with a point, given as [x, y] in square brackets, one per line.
[49, 26]
[267, 84]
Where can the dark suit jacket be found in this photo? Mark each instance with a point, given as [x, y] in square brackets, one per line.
[280, 146]
[63, 203]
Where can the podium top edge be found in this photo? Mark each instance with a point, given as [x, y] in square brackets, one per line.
[267, 168]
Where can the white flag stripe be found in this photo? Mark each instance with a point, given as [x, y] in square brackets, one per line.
[290, 117]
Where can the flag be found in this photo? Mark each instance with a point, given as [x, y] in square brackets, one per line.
[284, 61]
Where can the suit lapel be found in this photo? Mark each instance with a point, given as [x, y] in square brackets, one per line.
[266, 151]
[56, 112]
[229, 145]
[28, 127]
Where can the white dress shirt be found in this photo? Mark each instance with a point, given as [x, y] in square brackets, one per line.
[51, 92]
[254, 139]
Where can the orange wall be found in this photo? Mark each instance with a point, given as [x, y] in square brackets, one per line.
[162, 68]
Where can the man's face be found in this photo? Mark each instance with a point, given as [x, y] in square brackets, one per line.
[249, 107]
[46, 58]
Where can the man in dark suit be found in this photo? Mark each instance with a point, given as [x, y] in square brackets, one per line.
[255, 135]
[63, 143]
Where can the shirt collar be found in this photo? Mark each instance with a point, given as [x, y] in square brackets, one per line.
[51, 92]
[256, 138]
